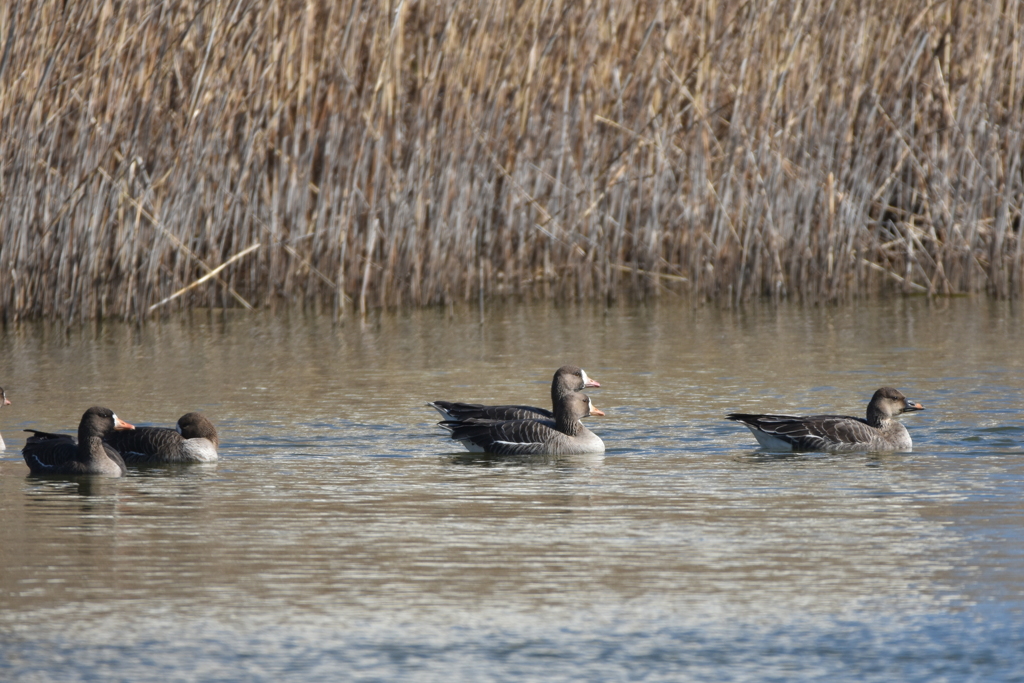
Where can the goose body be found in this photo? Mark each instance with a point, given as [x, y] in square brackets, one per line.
[567, 379]
[62, 454]
[194, 440]
[881, 431]
[3, 402]
[564, 435]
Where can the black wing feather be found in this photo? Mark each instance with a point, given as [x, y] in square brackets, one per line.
[478, 411]
[509, 437]
[50, 453]
[147, 444]
[811, 432]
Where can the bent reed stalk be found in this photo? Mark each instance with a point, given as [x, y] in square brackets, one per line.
[403, 152]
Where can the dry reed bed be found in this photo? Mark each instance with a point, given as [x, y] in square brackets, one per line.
[419, 153]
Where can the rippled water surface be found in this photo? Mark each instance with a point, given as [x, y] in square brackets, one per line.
[341, 536]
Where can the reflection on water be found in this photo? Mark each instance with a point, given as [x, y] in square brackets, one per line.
[342, 531]
[552, 461]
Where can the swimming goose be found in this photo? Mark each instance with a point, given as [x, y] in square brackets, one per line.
[568, 379]
[565, 435]
[47, 453]
[3, 402]
[194, 440]
[881, 431]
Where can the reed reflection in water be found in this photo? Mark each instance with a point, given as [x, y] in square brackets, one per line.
[342, 534]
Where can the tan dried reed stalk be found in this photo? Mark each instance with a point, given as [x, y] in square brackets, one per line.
[419, 153]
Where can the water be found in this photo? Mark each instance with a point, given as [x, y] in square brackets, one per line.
[341, 536]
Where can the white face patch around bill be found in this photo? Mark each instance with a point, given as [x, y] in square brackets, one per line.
[586, 380]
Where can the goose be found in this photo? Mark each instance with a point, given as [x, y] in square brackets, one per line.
[3, 402]
[194, 440]
[565, 435]
[567, 379]
[47, 453]
[881, 431]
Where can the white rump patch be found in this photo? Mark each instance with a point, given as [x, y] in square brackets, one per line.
[769, 442]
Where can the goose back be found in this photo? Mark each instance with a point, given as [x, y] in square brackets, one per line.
[62, 454]
[567, 379]
[881, 431]
[564, 435]
[193, 440]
